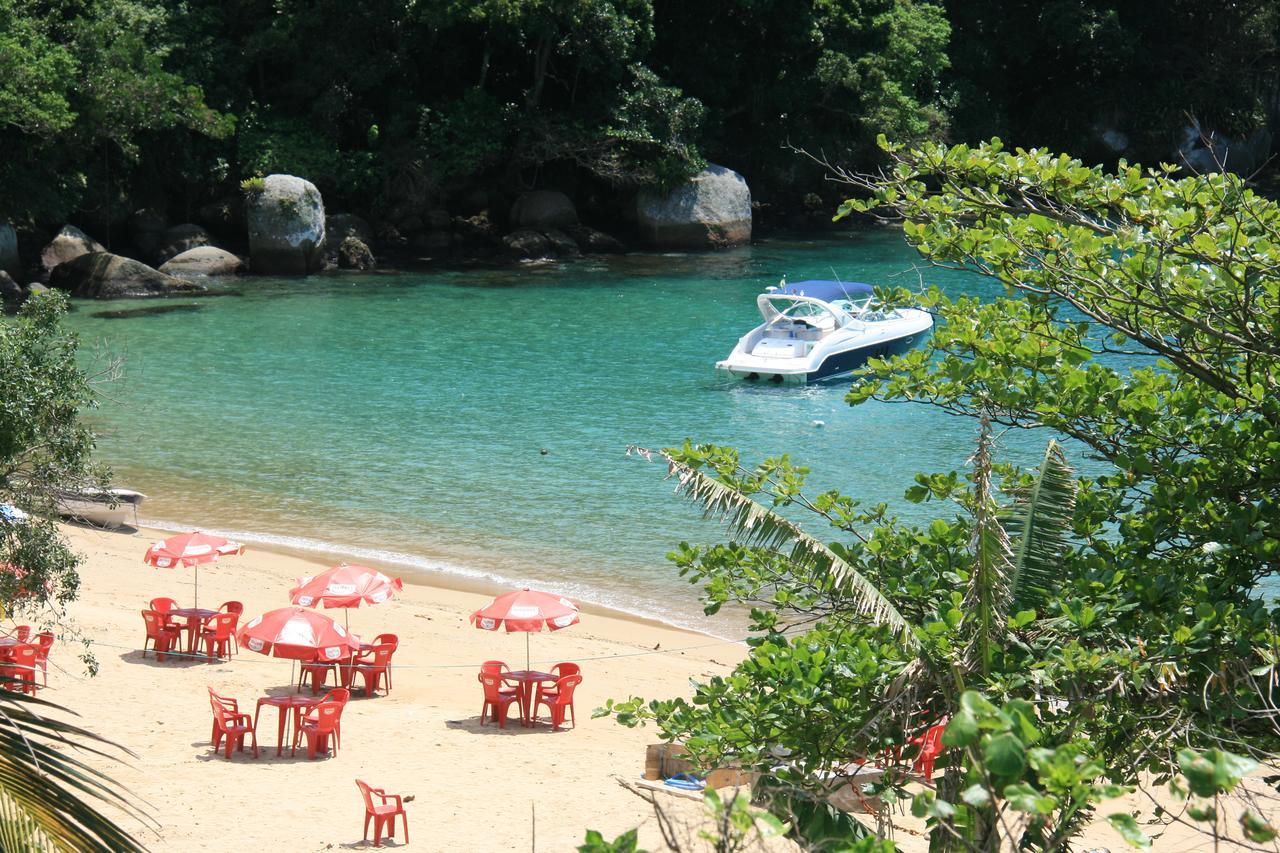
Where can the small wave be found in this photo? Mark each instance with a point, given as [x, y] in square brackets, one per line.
[623, 604]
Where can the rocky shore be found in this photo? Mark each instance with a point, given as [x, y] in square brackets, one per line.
[279, 226]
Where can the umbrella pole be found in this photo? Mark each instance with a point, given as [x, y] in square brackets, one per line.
[196, 604]
[526, 651]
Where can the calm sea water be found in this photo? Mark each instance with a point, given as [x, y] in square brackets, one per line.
[405, 415]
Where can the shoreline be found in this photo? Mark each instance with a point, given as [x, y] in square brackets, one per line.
[482, 583]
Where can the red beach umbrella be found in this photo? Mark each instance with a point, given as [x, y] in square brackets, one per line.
[296, 633]
[526, 610]
[191, 549]
[345, 586]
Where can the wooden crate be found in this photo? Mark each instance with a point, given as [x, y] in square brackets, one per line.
[664, 760]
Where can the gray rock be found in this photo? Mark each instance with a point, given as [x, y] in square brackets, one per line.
[543, 209]
[340, 226]
[11, 294]
[146, 230]
[595, 242]
[562, 245]
[35, 289]
[102, 275]
[181, 238]
[712, 210]
[1205, 150]
[353, 254]
[9, 260]
[69, 244]
[204, 261]
[528, 243]
[286, 227]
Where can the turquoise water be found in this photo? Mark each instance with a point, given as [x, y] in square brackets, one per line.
[405, 415]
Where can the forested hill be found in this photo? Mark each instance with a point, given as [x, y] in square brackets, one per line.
[108, 106]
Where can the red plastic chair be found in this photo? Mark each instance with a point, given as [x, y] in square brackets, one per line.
[44, 642]
[377, 665]
[560, 670]
[228, 704]
[340, 695]
[317, 671]
[558, 700]
[236, 608]
[218, 634]
[22, 633]
[18, 672]
[231, 725]
[161, 635]
[930, 744]
[386, 640]
[163, 606]
[318, 725]
[497, 699]
[384, 815]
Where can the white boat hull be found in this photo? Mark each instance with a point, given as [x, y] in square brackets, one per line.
[95, 507]
[798, 361]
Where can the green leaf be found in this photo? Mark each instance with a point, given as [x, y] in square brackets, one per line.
[1005, 756]
[961, 731]
[1024, 798]
[1129, 830]
[976, 796]
[1255, 828]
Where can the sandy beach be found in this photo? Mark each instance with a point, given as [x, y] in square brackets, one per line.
[474, 788]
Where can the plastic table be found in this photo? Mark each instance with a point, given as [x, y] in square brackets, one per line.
[195, 617]
[290, 702]
[526, 679]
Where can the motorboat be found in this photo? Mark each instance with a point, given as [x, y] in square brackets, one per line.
[816, 330]
[101, 507]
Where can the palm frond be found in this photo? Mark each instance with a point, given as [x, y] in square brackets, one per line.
[1038, 524]
[47, 794]
[761, 527]
[987, 596]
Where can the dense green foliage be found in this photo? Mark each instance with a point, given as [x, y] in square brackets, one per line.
[47, 793]
[108, 106]
[1117, 625]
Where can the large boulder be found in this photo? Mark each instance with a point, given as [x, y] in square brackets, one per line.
[340, 226]
[69, 244]
[102, 275]
[181, 238]
[712, 210]
[543, 209]
[286, 227]
[9, 260]
[146, 230]
[204, 261]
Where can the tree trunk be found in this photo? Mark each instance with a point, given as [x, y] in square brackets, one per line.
[540, 58]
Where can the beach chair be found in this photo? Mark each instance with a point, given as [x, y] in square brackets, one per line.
[228, 704]
[373, 668]
[231, 725]
[236, 608]
[18, 672]
[559, 700]
[317, 726]
[930, 743]
[560, 670]
[163, 606]
[497, 699]
[161, 635]
[217, 635]
[22, 633]
[44, 642]
[387, 640]
[318, 671]
[339, 695]
[382, 815]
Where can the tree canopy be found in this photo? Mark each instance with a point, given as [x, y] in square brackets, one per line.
[1077, 635]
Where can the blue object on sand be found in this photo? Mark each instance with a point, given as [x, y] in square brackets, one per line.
[685, 782]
